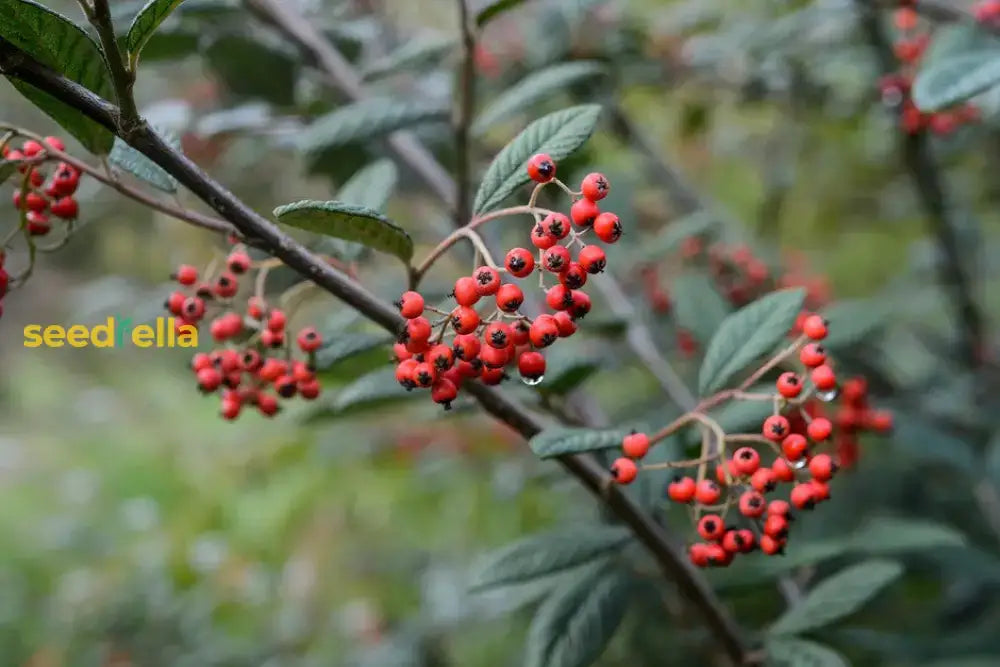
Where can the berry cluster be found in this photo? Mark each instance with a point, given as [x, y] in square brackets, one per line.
[255, 365]
[465, 343]
[42, 199]
[807, 454]
[913, 41]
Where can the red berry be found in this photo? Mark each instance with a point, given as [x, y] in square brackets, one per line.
[764, 480]
[274, 368]
[521, 333]
[230, 408]
[404, 373]
[411, 305]
[276, 320]
[56, 143]
[822, 467]
[789, 385]
[36, 202]
[782, 471]
[746, 460]
[681, 490]
[635, 445]
[567, 327]
[556, 259]
[879, 421]
[580, 306]
[65, 180]
[624, 471]
[286, 386]
[778, 508]
[556, 225]
[854, 391]
[752, 504]
[721, 471]
[541, 168]
[543, 331]
[495, 357]
[812, 355]
[238, 262]
[509, 298]
[309, 339]
[711, 527]
[267, 404]
[698, 554]
[444, 392]
[498, 334]
[487, 280]
[592, 259]
[595, 186]
[193, 308]
[520, 262]
[466, 346]
[186, 274]
[31, 148]
[465, 320]
[776, 527]
[608, 227]
[771, 546]
[209, 379]
[541, 239]
[821, 490]
[226, 285]
[794, 447]
[531, 365]
[574, 277]
[824, 378]
[775, 428]
[38, 223]
[272, 339]
[418, 330]
[707, 492]
[424, 375]
[803, 496]
[814, 327]
[819, 429]
[558, 297]
[256, 308]
[584, 212]
[493, 376]
[465, 291]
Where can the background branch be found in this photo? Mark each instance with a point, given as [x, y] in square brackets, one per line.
[123, 78]
[463, 120]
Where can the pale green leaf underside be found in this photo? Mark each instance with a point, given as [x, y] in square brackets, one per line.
[128, 159]
[366, 120]
[955, 79]
[790, 652]
[558, 441]
[350, 223]
[145, 24]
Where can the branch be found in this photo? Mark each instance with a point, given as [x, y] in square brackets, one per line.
[122, 77]
[466, 106]
[926, 176]
[18, 64]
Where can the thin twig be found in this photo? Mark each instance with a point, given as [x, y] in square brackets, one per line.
[123, 78]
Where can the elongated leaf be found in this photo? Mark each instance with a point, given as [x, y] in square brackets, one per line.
[924, 442]
[837, 596]
[568, 375]
[7, 169]
[993, 459]
[742, 416]
[412, 55]
[275, 67]
[145, 24]
[372, 186]
[669, 238]
[697, 305]
[888, 535]
[366, 120]
[802, 653]
[750, 332]
[59, 44]
[574, 624]
[372, 391]
[128, 159]
[853, 321]
[351, 354]
[495, 9]
[558, 134]
[956, 79]
[558, 441]
[351, 223]
[534, 87]
[540, 556]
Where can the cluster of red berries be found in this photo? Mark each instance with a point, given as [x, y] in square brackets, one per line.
[44, 199]
[743, 480]
[910, 47]
[256, 359]
[483, 345]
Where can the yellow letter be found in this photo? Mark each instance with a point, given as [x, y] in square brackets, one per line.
[33, 335]
[188, 336]
[77, 335]
[142, 335]
[54, 336]
[108, 331]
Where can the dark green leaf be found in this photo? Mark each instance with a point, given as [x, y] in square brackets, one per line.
[567, 376]
[853, 321]
[575, 623]
[171, 44]
[275, 68]
[540, 556]
[369, 392]
[372, 186]
[747, 334]
[128, 159]
[669, 238]
[348, 222]
[494, 9]
[363, 121]
[890, 535]
[534, 87]
[344, 349]
[7, 169]
[993, 459]
[837, 596]
[59, 44]
[802, 653]
[412, 55]
[697, 305]
[559, 134]
[557, 441]
[742, 416]
[145, 24]
[923, 442]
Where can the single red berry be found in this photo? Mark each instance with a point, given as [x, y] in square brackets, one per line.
[855, 391]
[812, 355]
[803, 496]
[584, 212]
[209, 379]
[36, 202]
[465, 320]
[556, 259]
[782, 471]
[698, 554]
[65, 180]
[711, 527]
[531, 365]
[592, 259]
[580, 306]
[466, 346]
[252, 361]
[541, 239]
[31, 148]
[746, 460]
[707, 492]
[267, 404]
[681, 490]
[509, 298]
[574, 276]
[444, 392]
[230, 408]
[752, 504]
[274, 368]
[411, 305]
[608, 227]
[424, 374]
[487, 280]
[238, 262]
[465, 291]
[272, 339]
[775, 428]
[286, 386]
[520, 262]
[186, 274]
[200, 361]
[556, 225]
[193, 308]
[495, 357]
[721, 470]
[543, 331]
[567, 327]
[732, 541]
[38, 223]
[276, 320]
[558, 297]
[823, 378]
[879, 421]
[309, 339]
[56, 143]
[764, 480]
[595, 186]
[226, 285]
[794, 446]
[418, 329]
[522, 332]
[541, 168]
[779, 508]
[789, 385]
[771, 546]
[624, 471]
[635, 445]
[65, 208]
[256, 308]
[776, 527]
[493, 376]
[498, 334]
[821, 490]
[819, 429]
[404, 373]
[814, 327]
[747, 540]
[822, 467]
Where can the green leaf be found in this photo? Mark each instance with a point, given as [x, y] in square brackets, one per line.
[575, 623]
[667, 239]
[274, 73]
[369, 392]
[128, 159]
[802, 653]
[372, 186]
[366, 120]
[61, 45]
[145, 24]
[412, 55]
[494, 9]
[534, 87]
[7, 169]
[923, 442]
[889, 535]
[747, 334]
[853, 321]
[559, 134]
[837, 596]
[541, 556]
[993, 459]
[353, 353]
[742, 416]
[348, 222]
[964, 60]
[697, 305]
[558, 441]
[564, 377]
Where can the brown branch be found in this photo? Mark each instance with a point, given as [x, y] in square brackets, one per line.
[18, 64]
[123, 78]
[466, 107]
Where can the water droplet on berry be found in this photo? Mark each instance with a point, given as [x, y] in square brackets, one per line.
[798, 465]
[827, 396]
[532, 382]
